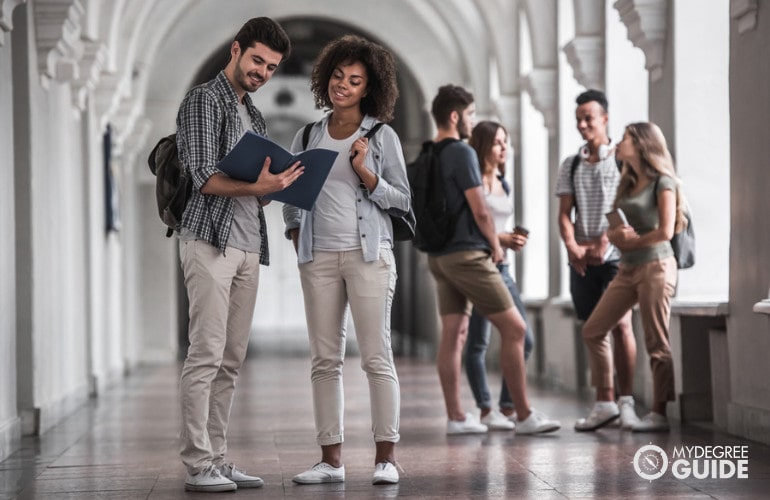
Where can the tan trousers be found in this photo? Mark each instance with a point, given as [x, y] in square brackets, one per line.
[222, 291]
[651, 285]
[329, 283]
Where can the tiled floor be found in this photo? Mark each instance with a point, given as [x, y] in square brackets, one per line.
[122, 446]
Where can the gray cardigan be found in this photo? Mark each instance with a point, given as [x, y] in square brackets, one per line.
[386, 159]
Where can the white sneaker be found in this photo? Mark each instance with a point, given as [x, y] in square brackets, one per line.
[240, 478]
[601, 414]
[496, 421]
[385, 473]
[321, 473]
[628, 417]
[208, 480]
[468, 426]
[652, 422]
[536, 423]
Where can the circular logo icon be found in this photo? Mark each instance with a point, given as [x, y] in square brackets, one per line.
[650, 462]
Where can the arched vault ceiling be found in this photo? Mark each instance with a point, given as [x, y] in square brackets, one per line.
[541, 15]
[439, 41]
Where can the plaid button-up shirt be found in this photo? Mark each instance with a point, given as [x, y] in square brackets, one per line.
[208, 126]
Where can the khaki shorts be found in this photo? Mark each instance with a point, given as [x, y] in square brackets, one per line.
[468, 279]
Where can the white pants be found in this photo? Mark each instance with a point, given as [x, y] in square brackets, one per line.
[222, 291]
[329, 283]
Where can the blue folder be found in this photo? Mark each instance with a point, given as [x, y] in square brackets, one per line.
[245, 160]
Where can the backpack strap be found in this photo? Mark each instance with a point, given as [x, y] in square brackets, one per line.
[368, 136]
[573, 167]
[306, 134]
[506, 187]
[373, 130]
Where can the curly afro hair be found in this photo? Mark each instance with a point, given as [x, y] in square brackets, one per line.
[380, 65]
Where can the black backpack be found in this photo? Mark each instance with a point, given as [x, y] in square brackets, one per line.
[683, 242]
[173, 185]
[403, 225]
[435, 223]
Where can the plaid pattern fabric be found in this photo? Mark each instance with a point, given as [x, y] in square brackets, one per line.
[208, 126]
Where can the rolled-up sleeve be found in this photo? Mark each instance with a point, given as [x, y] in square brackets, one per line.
[199, 114]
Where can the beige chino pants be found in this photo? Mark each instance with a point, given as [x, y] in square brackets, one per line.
[222, 291]
[652, 286]
[329, 283]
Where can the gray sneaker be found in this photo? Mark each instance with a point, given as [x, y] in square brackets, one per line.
[652, 422]
[496, 421]
[470, 425]
[321, 473]
[385, 473]
[537, 423]
[601, 414]
[208, 480]
[240, 478]
[628, 418]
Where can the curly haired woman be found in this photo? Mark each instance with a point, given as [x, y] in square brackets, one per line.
[345, 247]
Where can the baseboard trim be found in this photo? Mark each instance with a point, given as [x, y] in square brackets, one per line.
[10, 437]
[749, 422]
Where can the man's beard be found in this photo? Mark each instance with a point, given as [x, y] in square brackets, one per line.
[464, 129]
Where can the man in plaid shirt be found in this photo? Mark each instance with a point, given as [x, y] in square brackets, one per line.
[222, 242]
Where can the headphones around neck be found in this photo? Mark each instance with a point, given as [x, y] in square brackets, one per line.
[605, 150]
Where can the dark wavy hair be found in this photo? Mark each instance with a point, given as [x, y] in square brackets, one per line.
[482, 139]
[448, 99]
[266, 31]
[381, 88]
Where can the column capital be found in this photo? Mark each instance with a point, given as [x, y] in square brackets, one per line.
[647, 23]
[59, 48]
[542, 86]
[585, 53]
[89, 71]
[508, 108]
[745, 13]
[6, 17]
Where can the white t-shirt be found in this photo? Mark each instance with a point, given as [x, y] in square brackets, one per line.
[501, 208]
[335, 222]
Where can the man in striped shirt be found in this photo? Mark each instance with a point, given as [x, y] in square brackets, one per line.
[222, 242]
[588, 182]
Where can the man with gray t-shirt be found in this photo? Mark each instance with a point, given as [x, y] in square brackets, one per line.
[588, 182]
[466, 275]
[222, 242]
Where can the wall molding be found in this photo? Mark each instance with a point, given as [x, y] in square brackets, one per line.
[90, 69]
[10, 436]
[6, 17]
[585, 53]
[745, 13]
[508, 108]
[647, 23]
[59, 47]
[542, 86]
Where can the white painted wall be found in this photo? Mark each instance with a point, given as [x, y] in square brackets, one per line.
[10, 425]
[702, 131]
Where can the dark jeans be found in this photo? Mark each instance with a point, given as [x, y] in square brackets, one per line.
[587, 290]
[478, 343]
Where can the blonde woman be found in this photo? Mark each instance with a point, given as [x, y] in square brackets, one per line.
[649, 197]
